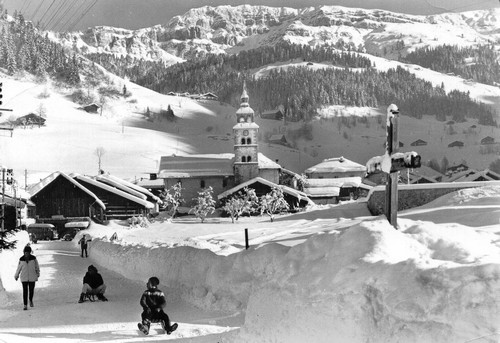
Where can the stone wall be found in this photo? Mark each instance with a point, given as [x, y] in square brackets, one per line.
[410, 196]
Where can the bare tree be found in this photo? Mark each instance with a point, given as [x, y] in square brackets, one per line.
[99, 152]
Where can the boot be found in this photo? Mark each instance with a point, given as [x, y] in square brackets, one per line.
[82, 298]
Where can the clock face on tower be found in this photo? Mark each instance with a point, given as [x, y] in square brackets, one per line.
[245, 133]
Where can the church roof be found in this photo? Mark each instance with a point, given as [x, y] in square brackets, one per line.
[185, 166]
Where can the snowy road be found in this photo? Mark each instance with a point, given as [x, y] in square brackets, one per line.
[57, 316]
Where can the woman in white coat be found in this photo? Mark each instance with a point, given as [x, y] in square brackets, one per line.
[29, 272]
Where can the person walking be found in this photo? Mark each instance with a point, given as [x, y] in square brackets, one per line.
[83, 245]
[29, 272]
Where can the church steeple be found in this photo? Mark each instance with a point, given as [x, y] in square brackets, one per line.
[245, 113]
[246, 163]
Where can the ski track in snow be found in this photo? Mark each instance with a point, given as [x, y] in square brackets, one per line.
[58, 289]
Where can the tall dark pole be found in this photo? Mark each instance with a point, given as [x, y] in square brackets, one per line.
[3, 199]
[392, 146]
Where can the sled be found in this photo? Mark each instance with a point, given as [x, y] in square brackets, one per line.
[145, 330]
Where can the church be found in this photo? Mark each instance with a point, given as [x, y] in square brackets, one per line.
[228, 173]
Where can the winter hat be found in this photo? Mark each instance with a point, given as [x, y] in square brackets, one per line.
[91, 267]
[27, 249]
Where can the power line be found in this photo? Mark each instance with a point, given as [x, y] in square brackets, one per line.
[56, 12]
[70, 18]
[83, 15]
[33, 15]
[61, 18]
[46, 11]
[22, 7]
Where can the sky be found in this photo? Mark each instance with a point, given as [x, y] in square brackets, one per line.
[62, 15]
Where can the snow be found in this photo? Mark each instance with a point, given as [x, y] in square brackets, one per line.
[335, 270]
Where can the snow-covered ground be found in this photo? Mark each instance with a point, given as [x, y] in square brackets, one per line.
[331, 274]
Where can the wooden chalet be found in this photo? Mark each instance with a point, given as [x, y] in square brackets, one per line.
[419, 142]
[331, 191]
[278, 139]
[336, 167]
[209, 96]
[272, 114]
[119, 204]
[459, 144]
[487, 140]
[30, 119]
[457, 168]
[60, 197]
[474, 175]
[293, 197]
[91, 108]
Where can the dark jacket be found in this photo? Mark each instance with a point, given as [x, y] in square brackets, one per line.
[153, 299]
[93, 279]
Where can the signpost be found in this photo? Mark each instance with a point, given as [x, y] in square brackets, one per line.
[391, 163]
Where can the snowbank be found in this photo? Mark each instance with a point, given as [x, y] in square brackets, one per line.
[9, 260]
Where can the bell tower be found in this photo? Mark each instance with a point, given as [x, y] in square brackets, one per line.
[246, 158]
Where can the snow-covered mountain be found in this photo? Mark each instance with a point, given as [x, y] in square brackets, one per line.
[228, 29]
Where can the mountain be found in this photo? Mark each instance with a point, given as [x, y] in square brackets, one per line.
[229, 29]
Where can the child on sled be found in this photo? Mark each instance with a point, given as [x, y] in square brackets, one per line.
[153, 301]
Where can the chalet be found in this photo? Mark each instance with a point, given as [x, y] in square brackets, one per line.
[60, 196]
[419, 142]
[456, 169]
[91, 108]
[131, 188]
[332, 168]
[272, 114]
[335, 179]
[172, 93]
[225, 171]
[30, 119]
[459, 144]
[278, 139]
[120, 204]
[209, 96]
[487, 140]
[293, 197]
[472, 175]
[331, 191]
[423, 174]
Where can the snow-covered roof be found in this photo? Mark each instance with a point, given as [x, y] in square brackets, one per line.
[185, 166]
[246, 125]
[114, 190]
[354, 181]
[33, 190]
[336, 165]
[134, 187]
[486, 174]
[105, 179]
[322, 191]
[293, 192]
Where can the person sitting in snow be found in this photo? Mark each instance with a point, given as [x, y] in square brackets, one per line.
[93, 284]
[153, 301]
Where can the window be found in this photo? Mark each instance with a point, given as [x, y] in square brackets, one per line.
[243, 141]
[249, 141]
[224, 182]
[202, 183]
[243, 159]
[249, 159]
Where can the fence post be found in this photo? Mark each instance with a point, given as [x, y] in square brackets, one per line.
[246, 240]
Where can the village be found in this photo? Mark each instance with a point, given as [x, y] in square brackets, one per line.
[68, 201]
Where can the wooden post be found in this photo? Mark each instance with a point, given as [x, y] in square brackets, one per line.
[392, 146]
[246, 240]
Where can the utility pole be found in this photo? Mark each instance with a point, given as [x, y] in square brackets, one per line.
[3, 199]
[392, 146]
